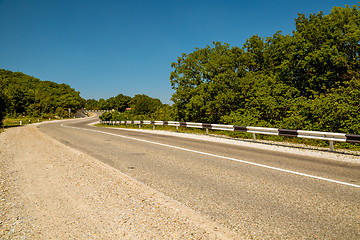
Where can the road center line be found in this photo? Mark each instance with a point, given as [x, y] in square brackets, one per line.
[223, 157]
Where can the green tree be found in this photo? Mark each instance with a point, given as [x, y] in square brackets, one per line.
[205, 82]
[119, 103]
[3, 107]
[324, 51]
[266, 101]
[29, 96]
[308, 80]
[92, 104]
[61, 112]
[254, 54]
[142, 104]
[106, 116]
[164, 112]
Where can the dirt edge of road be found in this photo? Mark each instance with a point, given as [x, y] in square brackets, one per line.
[51, 191]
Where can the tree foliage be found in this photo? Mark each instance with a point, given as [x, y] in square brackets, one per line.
[139, 107]
[142, 104]
[205, 82]
[306, 80]
[3, 107]
[118, 103]
[26, 95]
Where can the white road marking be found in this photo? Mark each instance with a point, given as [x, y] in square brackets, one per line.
[223, 157]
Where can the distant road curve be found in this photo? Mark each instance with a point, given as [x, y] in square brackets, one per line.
[256, 193]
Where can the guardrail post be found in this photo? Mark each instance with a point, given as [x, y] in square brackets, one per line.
[207, 131]
[254, 137]
[154, 127]
[139, 126]
[177, 128]
[332, 146]
[20, 123]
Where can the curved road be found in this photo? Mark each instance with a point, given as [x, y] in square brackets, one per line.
[256, 193]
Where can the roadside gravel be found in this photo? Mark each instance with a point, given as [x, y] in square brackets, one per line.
[51, 191]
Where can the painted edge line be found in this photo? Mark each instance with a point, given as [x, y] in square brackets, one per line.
[223, 157]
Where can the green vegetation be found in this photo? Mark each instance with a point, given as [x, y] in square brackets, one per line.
[118, 103]
[23, 95]
[308, 80]
[140, 107]
[3, 107]
[12, 122]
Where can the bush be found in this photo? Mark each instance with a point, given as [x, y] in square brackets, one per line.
[3, 108]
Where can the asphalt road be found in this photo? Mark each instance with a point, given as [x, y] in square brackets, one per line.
[256, 193]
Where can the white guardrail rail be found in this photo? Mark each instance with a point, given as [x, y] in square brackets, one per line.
[328, 136]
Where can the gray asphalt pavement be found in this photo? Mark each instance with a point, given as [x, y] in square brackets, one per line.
[244, 189]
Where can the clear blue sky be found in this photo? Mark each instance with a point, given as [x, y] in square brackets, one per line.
[106, 47]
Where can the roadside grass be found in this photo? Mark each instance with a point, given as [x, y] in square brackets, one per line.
[302, 142]
[14, 122]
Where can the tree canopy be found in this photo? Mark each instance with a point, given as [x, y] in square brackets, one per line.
[139, 107]
[3, 106]
[307, 80]
[22, 94]
[119, 103]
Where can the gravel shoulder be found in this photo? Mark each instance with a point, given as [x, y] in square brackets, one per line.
[51, 191]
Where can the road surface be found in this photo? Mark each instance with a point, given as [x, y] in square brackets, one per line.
[256, 193]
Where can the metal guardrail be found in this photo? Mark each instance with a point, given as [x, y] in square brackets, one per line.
[328, 136]
[98, 111]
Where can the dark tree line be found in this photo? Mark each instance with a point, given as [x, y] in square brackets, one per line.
[139, 104]
[118, 103]
[23, 95]
[2, 107]
[307, 80]
[124, 107]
